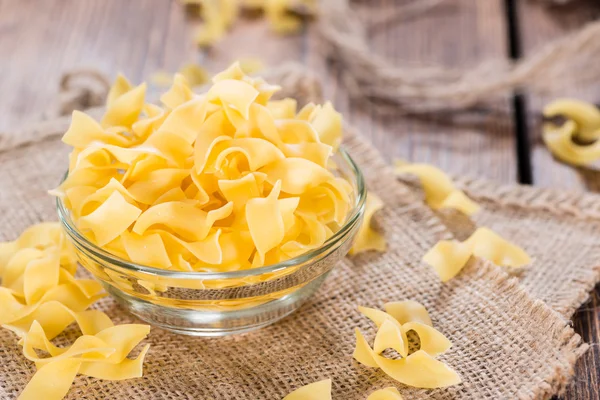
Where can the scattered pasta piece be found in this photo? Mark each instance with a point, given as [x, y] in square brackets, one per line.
[582, 123]
[389, 393]
[408, 311]
[284, 16]
[251, 65]
[194, 74]
[367, 238]
[320, 390]
[418, 369]
[448, 258]
[197, 178]
[585, 116]
[40, 297]
[438, 187]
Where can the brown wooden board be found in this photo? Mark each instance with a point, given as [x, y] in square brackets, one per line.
[39, 40]
[458, 33]
[540, 24]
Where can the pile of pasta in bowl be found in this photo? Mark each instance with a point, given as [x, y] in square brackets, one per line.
[212, 189]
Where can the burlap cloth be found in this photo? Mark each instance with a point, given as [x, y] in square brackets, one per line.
[507, 343]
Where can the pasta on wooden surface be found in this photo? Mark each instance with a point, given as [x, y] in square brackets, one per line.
[283, 16]
[392, 334]
[575, 141]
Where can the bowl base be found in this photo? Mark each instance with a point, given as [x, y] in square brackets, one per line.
[199, 322]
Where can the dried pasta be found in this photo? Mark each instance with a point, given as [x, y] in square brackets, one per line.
[582, 123]
[219, 15]
[408, 369]
[389, 393]
[367, 238]
[439, 190]
[320, 390]
[40, 298]
[198, 177]
[448, 258]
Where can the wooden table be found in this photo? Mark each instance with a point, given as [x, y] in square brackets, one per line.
[41, 39]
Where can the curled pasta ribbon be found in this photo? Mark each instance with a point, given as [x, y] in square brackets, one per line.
[391, 334]
[320, 390]
[438, 187]
[389, 393]
[218, 15]
[585, 116]
[40, 298]
[189, 185]
[367, 238]
[448, 258]
[100, 353]
[37, 269]
[559, 141]
[582, 122]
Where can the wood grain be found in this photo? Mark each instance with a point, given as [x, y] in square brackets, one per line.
[39, 40]
[458, 33]
[540, 24]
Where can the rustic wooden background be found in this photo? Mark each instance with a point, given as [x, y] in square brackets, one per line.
[39, 40]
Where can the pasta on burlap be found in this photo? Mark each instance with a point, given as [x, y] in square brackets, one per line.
[558, 229]
[505, 343]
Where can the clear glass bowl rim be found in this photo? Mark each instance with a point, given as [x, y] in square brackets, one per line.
[351, 220]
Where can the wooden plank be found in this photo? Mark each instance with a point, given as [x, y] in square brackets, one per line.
[540, 24]
[458, 33]
[41, 40]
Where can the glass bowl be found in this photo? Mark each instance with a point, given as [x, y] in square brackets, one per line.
[217, 304]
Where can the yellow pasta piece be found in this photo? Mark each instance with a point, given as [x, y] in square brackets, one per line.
[53, 381]
[449, 257]
[439, 190]
[408, 311]
[235, 94]
[146, 250]
[297, 175]
[84, 130]
[389, 393]
[115, 209]
[418, 369]
[100, 354]
[194, 180]
[194, 74]
[390, 336]
[40, 297]
[124, 109]
[190, 222]
[280, 20]
[251, 65]
[367, 238]
[328, 123]
[559, 141]
[585, 116]
[178, 94]
[320, 390]
[120, 86]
